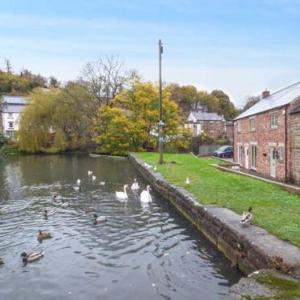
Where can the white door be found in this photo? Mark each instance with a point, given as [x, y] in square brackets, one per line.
[246, 157]
[272, 162]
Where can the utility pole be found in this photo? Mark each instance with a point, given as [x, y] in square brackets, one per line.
[160, 123]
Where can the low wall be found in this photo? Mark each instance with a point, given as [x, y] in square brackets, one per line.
[250, 248]
[207, 150]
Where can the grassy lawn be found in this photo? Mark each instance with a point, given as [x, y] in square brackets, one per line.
[275, 209]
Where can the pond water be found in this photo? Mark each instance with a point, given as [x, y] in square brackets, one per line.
[139, 253]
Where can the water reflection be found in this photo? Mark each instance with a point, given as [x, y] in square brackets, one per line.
[147, 252]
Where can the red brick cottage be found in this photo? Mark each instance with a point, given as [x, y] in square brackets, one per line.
[267, 135]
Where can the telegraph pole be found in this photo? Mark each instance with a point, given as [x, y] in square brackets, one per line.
[160, 123]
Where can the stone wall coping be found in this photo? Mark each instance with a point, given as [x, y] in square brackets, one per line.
[264, 245]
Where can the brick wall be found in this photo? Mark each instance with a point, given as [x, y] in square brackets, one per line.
[264, 137]
[295, 147]
[215, 129]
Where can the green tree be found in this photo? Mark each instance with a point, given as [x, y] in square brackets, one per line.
[225, 106]
[131, 120]
[57, 120]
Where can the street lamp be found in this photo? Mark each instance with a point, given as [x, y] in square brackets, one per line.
[160, 123]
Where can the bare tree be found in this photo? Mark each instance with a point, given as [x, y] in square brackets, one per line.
[8, 66]
[105, 78]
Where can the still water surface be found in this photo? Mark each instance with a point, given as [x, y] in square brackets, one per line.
[139, 253]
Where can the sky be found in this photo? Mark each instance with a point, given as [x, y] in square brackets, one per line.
[242, 47]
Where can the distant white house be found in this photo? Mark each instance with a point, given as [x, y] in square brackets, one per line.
[11, 109]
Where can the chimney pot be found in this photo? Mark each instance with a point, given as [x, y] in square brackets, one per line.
[265, 94]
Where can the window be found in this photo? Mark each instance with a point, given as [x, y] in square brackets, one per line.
[239, 126]
[253, 156]
[252, 124]
[274, 119]
[11, 124]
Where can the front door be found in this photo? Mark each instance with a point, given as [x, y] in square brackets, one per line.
[246, 157]
[272, 162]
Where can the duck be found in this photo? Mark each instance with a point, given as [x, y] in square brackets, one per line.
[78, 182]
[147, 166]
[46, 214]
[33, 256]
[100, 219]
[90, 173]
[135, 185]
[154, 168]
[94, 178]
[145, 196]
[247, 216]
[122, 195]
[89, 209]
[102, 183]
[1, 261]
[187, 181]
[65, 204]
[43, 235]
[76, 188]
[56, 196]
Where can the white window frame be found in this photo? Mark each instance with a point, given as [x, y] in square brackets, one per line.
[274, 119]
[252, 124]
[253, 160]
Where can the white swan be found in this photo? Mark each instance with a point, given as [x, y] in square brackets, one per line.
[187, 181]
[94, 178]
[135, 186]
[78, 182]
[90, 173]
[145, 196]
[122, 195]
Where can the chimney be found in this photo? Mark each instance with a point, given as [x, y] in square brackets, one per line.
[265, 94]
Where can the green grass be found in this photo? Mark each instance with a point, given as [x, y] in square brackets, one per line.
[275, 209]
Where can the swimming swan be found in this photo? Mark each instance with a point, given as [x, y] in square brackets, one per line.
[135, 186]
[145, 196]
[122, 195]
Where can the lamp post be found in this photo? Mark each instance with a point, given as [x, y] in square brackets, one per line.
[160, 123]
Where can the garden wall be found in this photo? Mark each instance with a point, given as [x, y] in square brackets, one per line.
[250, 248]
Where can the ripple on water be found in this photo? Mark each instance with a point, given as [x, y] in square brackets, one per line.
[140, 252]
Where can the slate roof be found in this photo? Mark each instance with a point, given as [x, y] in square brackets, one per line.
[205, 116]
[277, 99]
[13, 104]
[295, 110]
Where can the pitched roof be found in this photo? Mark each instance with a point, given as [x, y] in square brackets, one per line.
[204, 116]
[16, 100]
[277, 99]
[295, 110]
[13, 104]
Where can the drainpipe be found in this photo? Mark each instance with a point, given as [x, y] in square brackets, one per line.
[286, 143]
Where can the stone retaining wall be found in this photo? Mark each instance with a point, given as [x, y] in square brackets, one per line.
[250, 248]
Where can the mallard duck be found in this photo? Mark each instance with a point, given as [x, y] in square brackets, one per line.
[46, 214]
[122, 195]
[247, 216]
[100, 219]
[43, 235]
[33, 256]
[88, 209]
[135, 185]
[1, 261]
[145, 196]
